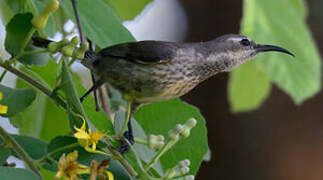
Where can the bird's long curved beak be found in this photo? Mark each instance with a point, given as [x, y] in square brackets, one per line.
[266, 48]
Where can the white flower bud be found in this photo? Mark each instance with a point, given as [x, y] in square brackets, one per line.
[185, 163]
[184, 170]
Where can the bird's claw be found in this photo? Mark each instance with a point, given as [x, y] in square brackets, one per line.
[125, 146]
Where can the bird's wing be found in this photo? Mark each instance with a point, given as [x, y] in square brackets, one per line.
[143, 52]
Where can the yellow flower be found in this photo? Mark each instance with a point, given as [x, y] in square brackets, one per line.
[87, 139]
[3, 109]
[69, 168]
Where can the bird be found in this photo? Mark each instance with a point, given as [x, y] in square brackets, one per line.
[150, 71]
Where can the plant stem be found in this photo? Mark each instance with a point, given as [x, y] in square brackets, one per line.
[3, 74]
[36, 84]
[71, 61]
[39, 51]
[141, 141]
[164, 149]
[48, 155]
[20, 151]
[122, 160]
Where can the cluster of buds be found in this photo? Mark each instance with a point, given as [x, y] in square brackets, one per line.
[175, 134]
[182, 131]
[180, 169]
[68, 48]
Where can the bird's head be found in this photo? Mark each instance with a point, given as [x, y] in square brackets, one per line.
[234, 50]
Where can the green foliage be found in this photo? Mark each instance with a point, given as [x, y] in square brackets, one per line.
[128, 9]
[248, 87]
[74, 107]
[160, 117]
[5, 12]
[43, 119]
[35, 148]
[17, 30]
[281, 23]
[16, 99]
[103, 27]
[9, 173]
[37, 114]
[4, 154]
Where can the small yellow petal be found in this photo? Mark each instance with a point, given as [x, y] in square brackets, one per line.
[110, 175]
[1, 95]
[72, 156]
[82, 135]
[83, 125]
[94, 146]
[79, 130]
[3, 109]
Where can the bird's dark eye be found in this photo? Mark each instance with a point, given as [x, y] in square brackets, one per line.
[245, 42]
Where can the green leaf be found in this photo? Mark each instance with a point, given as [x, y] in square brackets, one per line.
[283, 23]
[62, 144]
[9, 173]
[128, 9]
[159, 118]
[103, 27]
[5, 12]
[248, 87]
[72, 98]
[44, 119]
[4, 154]
[17, 100]
[35, 148]
[17, 30]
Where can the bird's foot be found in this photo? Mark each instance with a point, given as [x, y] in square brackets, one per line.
[125, 146]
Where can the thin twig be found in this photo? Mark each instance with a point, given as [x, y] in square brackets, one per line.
[78, 20]
[48, 155]
[123, 161]
[3, 74]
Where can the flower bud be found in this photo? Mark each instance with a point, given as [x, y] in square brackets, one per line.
[56, 46]
[79, 53]
[189, 124]
[185, 163]
[184, 170]
[40, 20]
[155, 142]
[174, 133]
[190, 177]
[68, 50]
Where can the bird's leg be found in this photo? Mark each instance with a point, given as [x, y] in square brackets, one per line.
[95, 86]
[123, 148]
[97, 107]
